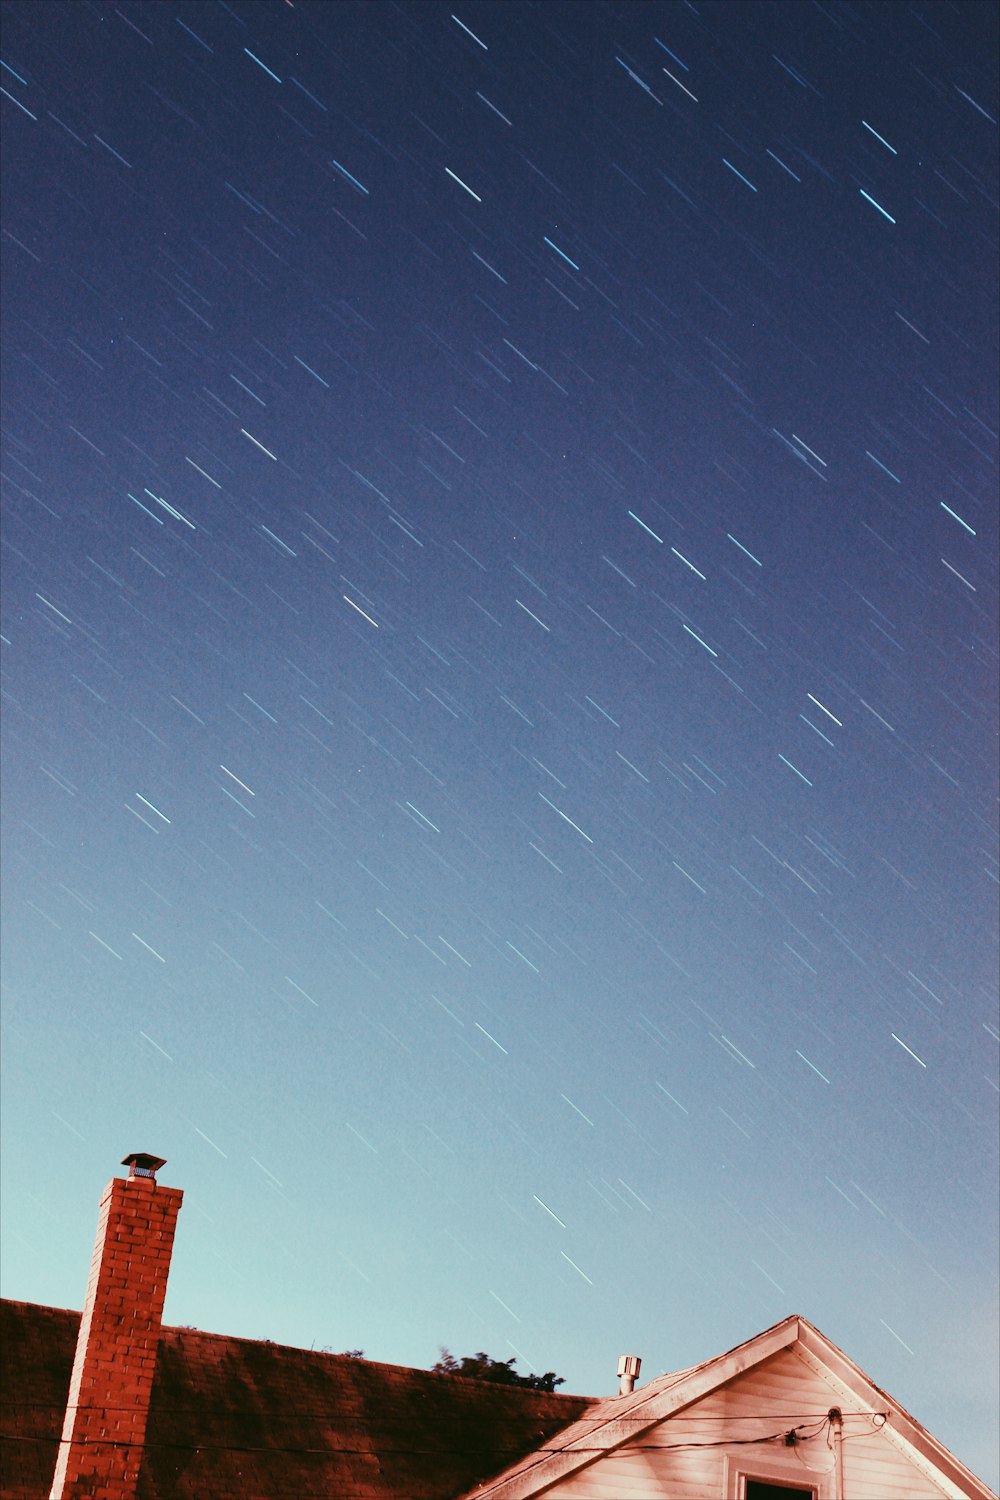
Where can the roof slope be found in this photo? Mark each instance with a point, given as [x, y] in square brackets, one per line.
[610, 1424]
[36, 1356]
[241, 1420]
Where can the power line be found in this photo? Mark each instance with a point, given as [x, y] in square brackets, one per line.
[326, 1415]
[543, 1451]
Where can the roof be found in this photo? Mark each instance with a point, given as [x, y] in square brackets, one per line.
[235, 1418]
[618, 1420]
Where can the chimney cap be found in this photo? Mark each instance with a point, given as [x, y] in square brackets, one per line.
[141, 1164]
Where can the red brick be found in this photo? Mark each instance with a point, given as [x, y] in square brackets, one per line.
[116, 1350]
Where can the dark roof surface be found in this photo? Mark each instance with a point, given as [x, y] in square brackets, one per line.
[233, 1419]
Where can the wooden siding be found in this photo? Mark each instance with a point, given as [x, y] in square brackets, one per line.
[781, 1393]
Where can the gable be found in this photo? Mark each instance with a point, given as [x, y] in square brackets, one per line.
[703, 1433]
[709, 1447]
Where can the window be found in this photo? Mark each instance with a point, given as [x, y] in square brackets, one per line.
[773, 1489]
[779, 1473]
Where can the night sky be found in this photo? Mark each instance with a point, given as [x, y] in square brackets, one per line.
[500, 674]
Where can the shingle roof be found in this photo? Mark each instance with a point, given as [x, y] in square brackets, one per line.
[233, 1419]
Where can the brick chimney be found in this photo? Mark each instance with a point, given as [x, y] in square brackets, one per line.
[105, 1423]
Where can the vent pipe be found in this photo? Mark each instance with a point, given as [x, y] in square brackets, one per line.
[628, 1372]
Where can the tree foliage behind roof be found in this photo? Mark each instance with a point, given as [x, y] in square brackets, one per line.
[500, 1371]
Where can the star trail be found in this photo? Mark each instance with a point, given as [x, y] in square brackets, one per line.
[500, 673]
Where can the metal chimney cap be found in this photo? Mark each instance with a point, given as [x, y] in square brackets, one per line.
[629, 1364]
[141, 1164]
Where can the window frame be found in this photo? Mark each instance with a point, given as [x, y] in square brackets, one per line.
[777, 1466]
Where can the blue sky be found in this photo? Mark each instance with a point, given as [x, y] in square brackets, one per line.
[500, 674]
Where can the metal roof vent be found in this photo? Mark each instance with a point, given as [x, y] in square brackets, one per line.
[628, 1371]
[141, 1164]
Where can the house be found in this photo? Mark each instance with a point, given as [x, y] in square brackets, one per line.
[110, 1405]
[235, 1419]
[785, 1416]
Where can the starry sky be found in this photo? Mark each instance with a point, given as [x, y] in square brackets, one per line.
[500, 673]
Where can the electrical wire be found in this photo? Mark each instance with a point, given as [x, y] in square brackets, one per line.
[542, 1452]
[124, 1443]
[325, 1415]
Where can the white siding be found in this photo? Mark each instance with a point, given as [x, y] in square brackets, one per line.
[781, 1393]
